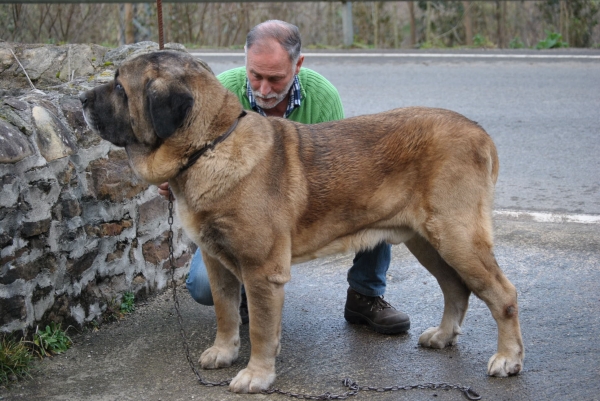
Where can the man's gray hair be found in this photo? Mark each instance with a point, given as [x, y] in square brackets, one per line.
[286, 34]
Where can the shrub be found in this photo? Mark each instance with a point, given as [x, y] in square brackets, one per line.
[50, 341]
[553, 40]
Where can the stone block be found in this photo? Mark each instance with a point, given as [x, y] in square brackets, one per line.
[34, 228]
[181, 261]
[38, 100]
[48, 65]
[9, 186]
[12, 309]
[81, 61]
[68, 176]
[6, 59]
[5, 240]
[69, 236]
[13, 255]
[16, 103]
[43, 61]
[114, 228]
[16, 112]
[113, 179]
[53, 138]
[152, 213]
[134, 246]
[118, 252]
[76, 267]
[66, 209]
[41, 292]
[103, 289]
[156, 251]
[29, 271]
[91, 230]
[14, 146]
[44, 186]
[59, 312]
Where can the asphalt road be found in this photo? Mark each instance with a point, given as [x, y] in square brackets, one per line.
[544, 115]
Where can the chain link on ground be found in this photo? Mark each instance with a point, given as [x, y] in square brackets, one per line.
[353, 387]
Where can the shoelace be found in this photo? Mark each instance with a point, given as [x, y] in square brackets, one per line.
[380, 304]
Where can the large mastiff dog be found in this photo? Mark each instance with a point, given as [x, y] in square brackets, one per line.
[259, 194]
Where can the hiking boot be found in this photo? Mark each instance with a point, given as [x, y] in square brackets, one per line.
[376, 313]
[244, 309]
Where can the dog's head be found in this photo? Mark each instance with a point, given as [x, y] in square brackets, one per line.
[149, 99]
[164, 99]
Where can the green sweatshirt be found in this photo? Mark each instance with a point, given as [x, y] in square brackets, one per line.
[320, 99]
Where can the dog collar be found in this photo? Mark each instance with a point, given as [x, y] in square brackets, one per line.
[197, 154]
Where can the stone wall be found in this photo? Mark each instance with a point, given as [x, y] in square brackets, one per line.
[77, 228]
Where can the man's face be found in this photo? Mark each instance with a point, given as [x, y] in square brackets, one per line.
[270, 73]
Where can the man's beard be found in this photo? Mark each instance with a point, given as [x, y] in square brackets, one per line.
[270, 101]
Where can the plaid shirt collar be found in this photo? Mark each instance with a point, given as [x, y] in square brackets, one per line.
[294, 101]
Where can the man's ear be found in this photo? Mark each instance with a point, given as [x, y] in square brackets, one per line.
[299, 64]
[168, 106]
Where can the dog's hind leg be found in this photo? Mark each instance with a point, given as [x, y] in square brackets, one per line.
[456, 295]
[468, 249]
[226, 292]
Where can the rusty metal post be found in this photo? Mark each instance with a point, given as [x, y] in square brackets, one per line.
[161, 40]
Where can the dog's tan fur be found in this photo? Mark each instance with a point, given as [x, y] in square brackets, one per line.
[276, 192]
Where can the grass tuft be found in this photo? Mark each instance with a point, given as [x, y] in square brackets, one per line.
[15, 360]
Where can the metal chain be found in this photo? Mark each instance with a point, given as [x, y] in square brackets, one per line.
[353, 387]
[177, 308]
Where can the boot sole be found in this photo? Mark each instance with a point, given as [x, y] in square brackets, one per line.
[357, 318]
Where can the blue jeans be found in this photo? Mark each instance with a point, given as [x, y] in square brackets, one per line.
[366, 276]
[197, 281]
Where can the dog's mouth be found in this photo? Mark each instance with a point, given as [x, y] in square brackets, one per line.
[90, 120]
[86, 100]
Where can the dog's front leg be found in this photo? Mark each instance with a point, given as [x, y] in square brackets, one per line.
[265, 292]
[225, 289]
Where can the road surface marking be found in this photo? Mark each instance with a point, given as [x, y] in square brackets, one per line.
[541, 217]
[424, 55]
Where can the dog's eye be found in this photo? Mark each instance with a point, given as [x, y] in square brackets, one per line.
[119, 89]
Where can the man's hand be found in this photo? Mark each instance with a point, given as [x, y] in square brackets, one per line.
[163, 189]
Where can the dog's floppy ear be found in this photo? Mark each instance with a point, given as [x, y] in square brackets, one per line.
[205, 66]
[168, 106]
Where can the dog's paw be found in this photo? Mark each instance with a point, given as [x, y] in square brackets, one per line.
[251, 380]
[434, 337]
[501, 365]
[218, 357]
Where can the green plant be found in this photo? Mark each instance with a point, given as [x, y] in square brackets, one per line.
[15, 360]
[516, 43]
[553, 40]
[50, 341]
[576, 21]
[116, 310]
[481, 41]
[127, 302]
[112, 312]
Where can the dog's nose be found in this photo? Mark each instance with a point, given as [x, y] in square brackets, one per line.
[83, 98]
